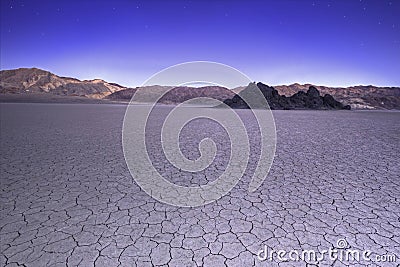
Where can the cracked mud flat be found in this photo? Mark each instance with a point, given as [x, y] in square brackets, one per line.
[67, 198]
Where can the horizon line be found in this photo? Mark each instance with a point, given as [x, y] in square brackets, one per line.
[269, 84]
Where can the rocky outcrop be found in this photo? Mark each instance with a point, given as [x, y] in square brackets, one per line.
[300, 100]
[360, 96]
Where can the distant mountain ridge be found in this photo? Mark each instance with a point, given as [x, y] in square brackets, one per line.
[174, 95]
[30, 81]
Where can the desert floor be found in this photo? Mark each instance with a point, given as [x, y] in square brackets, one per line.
[67, 197]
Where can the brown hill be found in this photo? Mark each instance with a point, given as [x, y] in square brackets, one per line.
[34, 81]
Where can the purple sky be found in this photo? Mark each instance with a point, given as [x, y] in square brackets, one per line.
[336, 43]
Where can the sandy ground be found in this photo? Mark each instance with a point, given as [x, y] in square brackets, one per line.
[67, 197]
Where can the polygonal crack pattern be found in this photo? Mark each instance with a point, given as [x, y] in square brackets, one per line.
[67, 198]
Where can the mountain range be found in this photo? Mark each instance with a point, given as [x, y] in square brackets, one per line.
[33, 82]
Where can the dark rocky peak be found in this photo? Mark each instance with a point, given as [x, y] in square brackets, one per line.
[300, 100]
[267, 91]
[313, 92]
